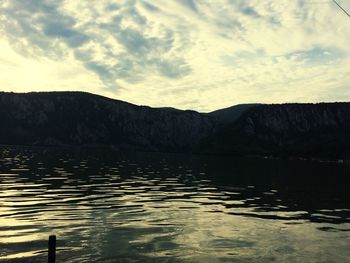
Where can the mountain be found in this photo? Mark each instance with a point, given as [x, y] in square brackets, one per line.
[231, 114]
[320, 130]
[77, 118]
[83, 119]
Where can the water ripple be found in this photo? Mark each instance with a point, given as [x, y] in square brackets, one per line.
[144, 208]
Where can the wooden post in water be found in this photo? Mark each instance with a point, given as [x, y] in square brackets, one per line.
[52, 249]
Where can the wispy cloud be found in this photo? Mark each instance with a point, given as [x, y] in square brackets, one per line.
[189, 54]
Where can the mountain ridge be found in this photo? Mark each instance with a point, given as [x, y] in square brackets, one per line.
[78, 118]
[83, 119]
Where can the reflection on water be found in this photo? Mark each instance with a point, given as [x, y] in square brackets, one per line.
[141, 207]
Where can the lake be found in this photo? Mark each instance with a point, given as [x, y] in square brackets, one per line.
[107, 206]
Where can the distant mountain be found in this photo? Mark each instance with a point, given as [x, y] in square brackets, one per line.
[77, 118]
[231, 114]
[320, 130]
[83, 119]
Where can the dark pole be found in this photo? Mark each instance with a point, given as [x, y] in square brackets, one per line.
[346, 12]
[52, 249]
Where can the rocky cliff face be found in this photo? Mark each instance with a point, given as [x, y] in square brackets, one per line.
[289, 129]
[75, 118]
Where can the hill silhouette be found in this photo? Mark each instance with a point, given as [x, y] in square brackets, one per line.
[84, 119]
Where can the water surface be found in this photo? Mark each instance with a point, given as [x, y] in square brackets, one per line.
[140, 207]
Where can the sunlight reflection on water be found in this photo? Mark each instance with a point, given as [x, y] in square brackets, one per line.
[134, 207]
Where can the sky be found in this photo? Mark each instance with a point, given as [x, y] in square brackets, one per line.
[188, 54]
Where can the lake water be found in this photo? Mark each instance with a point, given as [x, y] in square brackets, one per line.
[107, 206]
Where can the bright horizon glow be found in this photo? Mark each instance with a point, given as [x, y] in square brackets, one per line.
[186, 54]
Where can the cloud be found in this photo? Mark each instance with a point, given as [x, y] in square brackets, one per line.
[190, 4]
[150, 7]
[210, 53]
[318, 55]
[44, 28]
[247, 8]
[23, 74]
[23, 23]
[65, 32]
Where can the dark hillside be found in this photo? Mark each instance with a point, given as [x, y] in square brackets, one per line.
[286, 129]
[76, 118]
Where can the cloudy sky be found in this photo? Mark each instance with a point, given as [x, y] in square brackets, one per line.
[189, 54]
